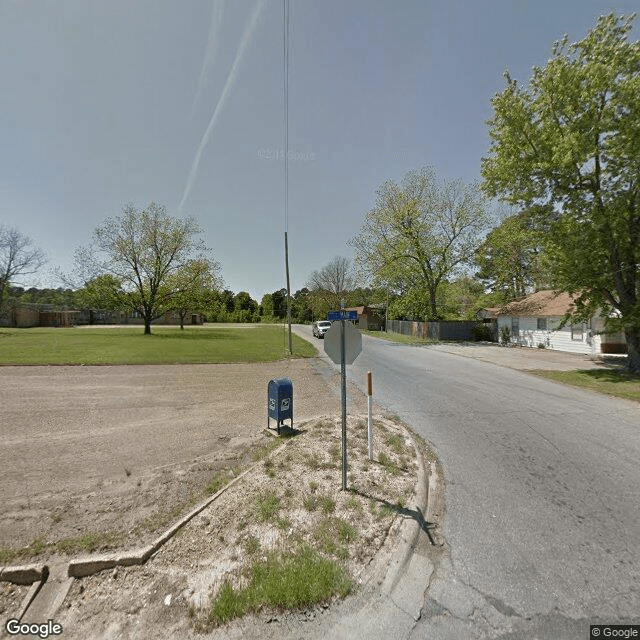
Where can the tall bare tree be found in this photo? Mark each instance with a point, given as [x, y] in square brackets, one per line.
[18, 257]
[332, 281]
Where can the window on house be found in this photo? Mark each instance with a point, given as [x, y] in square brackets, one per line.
[515, 327]
[542, 324]
[577, 332]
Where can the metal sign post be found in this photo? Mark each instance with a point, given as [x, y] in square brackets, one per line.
[343, 345]
[370, 413]
[343, 377]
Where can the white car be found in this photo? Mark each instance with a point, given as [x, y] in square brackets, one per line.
[320, 328]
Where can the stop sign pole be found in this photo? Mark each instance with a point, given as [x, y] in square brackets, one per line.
[343, 380]
[345, 353]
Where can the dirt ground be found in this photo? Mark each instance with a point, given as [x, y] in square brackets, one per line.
[97, 456]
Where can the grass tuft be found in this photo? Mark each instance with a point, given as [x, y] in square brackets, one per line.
[282, 581]
[389, 465]
[268, 505]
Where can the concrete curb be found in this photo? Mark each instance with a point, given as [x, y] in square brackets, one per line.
[390, 563]
[398, 577]
[410, 529]
[25, 574]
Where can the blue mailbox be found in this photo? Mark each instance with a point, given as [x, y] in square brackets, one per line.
[280, 401]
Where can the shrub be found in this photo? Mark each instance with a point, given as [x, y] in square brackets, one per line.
[481, 332]
[505, 335]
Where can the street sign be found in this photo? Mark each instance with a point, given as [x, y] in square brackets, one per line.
[342, 315]
[352, 342]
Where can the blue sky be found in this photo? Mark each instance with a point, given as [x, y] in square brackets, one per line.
[105, 103]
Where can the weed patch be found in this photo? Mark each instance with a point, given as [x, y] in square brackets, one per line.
[268, 505]
[389, 465]
[281, 582]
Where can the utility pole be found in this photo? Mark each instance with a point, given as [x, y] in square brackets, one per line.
[286, 257]
[285, 44]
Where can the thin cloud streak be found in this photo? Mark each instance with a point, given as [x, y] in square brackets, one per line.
[244, 43]
[217, 12]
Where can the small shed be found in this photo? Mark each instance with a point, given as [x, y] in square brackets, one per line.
[368, 318]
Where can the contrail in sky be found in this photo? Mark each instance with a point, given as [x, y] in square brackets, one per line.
[246, 38]
[217, 10]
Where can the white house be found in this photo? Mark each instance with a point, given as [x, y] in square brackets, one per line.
[535, 320]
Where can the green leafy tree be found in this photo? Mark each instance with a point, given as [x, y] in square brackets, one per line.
[104, 292]
[246, 308]
[274, 305]
[413, 304]
[301, 306]
[570, 142]
[59, 297]
[510, 259]
[244, 302]
[266, 306]
[462, 298]
[420, 233]
[144, 250]
[192, 287]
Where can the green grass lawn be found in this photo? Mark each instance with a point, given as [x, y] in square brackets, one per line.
[165, 345]
[611, 382]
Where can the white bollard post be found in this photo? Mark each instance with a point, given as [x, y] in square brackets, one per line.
[370, 417]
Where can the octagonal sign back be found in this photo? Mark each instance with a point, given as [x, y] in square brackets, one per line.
[352, 340]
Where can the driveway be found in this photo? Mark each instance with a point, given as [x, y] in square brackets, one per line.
[525, 358]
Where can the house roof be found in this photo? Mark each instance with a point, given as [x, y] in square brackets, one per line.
[540, 304]
[360, 309]
[489, 312]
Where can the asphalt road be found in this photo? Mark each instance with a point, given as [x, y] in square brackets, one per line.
[542, 524]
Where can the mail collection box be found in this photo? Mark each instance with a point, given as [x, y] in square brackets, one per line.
[279, 401]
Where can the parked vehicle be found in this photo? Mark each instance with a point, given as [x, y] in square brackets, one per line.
[320, 328]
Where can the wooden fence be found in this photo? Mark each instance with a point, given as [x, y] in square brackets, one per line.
[444, 330]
